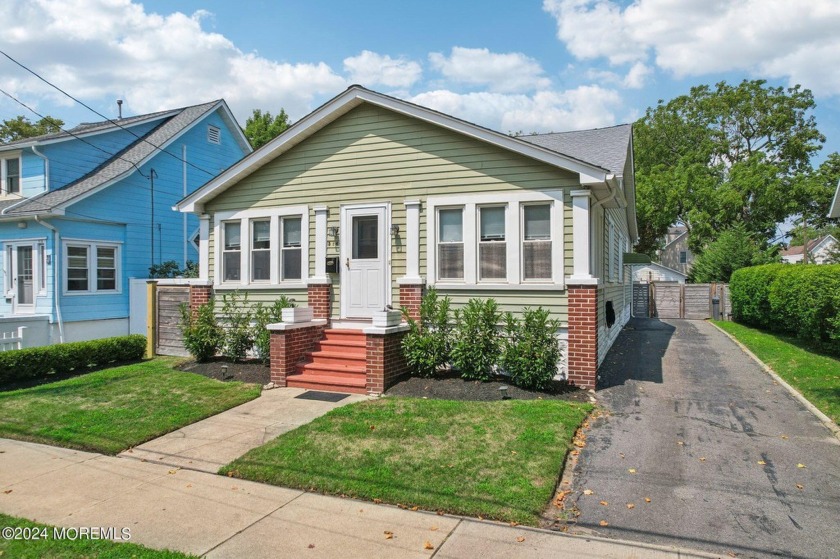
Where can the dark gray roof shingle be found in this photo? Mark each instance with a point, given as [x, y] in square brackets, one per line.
[604, 147]
[116, 166]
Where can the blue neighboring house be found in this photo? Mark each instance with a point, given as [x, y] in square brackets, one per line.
[85, 210]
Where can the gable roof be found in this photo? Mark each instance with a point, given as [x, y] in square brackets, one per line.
[591, 172]
[122, 163]
[812, 246]
[660, 266]
[604, 147]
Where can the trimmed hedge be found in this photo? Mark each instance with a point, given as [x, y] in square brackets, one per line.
[803, 300]
[38, 362]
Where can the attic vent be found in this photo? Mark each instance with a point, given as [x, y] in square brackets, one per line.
[214, 135]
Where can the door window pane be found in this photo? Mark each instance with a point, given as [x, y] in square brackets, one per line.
[25, 293]
[365, 237]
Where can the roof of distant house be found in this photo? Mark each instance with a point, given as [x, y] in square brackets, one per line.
[812, 244]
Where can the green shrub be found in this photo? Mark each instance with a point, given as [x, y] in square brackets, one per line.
[530, 351]
[239, 335]
[476, 345]
[202, 335]
[267, 315]
[426, 345]
[802, 300]
[38, 362]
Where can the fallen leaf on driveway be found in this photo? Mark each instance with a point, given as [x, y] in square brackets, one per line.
[647, 499]
[7, 491]
[784, 437]
[680, 443]
[520, 539]
[433, 529]
[311, 546]
[604, 503]
[800, 486]
[762, 463]
[702, 458]
[389, 535]
[621, 454]
[428, 545]
[604, 523]
[800, 465]
[632, 470]
[631, 506]
[588, 492]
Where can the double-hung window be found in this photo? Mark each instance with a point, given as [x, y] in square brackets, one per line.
[10, 174]
[260, 250]
[290, 261]
[492, 248]
[536, 242]
[450, 247]
[232, 251]
[91, 267]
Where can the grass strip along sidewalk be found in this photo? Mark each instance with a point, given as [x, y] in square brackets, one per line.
[23, 539]
[114, 409]
[499, 460]
[815, 375]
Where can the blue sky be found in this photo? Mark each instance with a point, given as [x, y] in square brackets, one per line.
[512, 66]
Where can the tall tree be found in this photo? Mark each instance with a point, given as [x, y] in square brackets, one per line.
[722, 156]
[733, 249]
[20, 127]
[261, 127]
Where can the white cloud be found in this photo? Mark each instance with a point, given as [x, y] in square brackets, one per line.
[637, 76]
[579, 108]
[506, 73]
[766, 38]
[105, 49]
[370, 68]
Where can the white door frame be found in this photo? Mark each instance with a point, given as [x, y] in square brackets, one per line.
[346, 248]
[12, 269]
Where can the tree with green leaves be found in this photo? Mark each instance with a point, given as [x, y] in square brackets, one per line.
[20, 127]
[261, 127]
[734, 248]
[722, 156]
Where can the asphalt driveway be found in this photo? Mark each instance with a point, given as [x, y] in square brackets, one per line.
[729, 460]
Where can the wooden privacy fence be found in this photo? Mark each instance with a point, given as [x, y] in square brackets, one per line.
[693, 301]
[168, 301]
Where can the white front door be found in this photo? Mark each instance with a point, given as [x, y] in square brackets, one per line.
[21, 267]
[364, 255]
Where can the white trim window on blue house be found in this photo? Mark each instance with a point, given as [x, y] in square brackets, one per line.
[10, 174]
[91, 267]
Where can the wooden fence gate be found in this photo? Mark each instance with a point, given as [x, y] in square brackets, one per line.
[641, 300]
[168, 338]
[693, 301]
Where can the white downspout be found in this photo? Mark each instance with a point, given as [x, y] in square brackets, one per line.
[56, 263]
[183, 215]
[46, 167]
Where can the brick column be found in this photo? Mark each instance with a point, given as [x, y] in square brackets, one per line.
[318, 298]
[583, 335]
[288, 346]
[385, 361]
[410, 296]
[199, 295]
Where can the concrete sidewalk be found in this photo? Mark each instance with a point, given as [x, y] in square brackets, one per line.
[214, 516]
[209, 444]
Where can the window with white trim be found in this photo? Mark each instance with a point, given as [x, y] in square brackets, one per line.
[231, 251]
[260, 250]
[91, 267]
[536, 242]
[290, 261]
[492, 247]
[450, 247]
[10, 175]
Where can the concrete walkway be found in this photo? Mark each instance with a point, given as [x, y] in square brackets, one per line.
[209, 444]
[731, 461]
[215, 516]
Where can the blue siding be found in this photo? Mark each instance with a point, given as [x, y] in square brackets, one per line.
[72, 159]
[32, 174]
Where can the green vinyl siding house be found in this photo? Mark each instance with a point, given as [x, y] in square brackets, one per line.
[370, 200]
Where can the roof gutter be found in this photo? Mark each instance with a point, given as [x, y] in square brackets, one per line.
[56, 279]
[609, 180]
[46, 167]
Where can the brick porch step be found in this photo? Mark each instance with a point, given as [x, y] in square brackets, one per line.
[338, 364]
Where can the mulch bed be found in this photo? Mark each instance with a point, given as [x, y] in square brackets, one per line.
[251, 370]
[450, 386]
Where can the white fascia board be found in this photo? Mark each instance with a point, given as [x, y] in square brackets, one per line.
[834, 210]
[353, 97]
[228, 117]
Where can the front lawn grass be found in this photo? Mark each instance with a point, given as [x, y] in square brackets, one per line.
[114, 409]
[500, 460]
[816, 376]
[51, 548]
